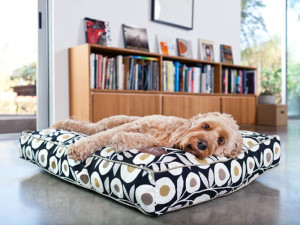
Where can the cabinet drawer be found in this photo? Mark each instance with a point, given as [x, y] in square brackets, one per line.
[243, 109]
[188, 106]
[110, 104]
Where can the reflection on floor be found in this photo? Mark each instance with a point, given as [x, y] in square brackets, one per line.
[31, 196]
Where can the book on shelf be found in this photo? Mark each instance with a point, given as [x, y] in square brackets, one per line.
[124, 72]
[178, 77]
[184, 48]
[226, 54]
[238, 81]
[135, 38]
[166, 45]
[97, 32]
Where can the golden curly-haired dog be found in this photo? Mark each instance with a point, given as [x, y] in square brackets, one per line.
[202, 135]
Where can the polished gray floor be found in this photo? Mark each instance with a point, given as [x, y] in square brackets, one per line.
[29, 195]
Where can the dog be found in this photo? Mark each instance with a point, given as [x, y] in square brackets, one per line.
[202, 135]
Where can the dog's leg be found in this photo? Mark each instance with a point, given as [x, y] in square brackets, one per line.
[93, 128]
[87, 146]
[75, 125]
[113, 121]
[122, 141]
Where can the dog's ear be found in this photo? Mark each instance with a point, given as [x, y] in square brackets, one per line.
[178, 135]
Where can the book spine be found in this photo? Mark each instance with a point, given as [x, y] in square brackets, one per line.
[192, 80]
[120, 72]
[169, 75]
[237, 82]
[176, 74]
[95, 70]
[107, 74]
[226, 81]
[100, 57]
[208, 78]
[136, 78]
[245, 90]
[186, 79]
[104, 71]
[196, 80]
[213, 80]
[112, 78]
[203, 83]
[241, 81]
[164, 75]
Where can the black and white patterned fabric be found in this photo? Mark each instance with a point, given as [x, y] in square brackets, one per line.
[153, 184]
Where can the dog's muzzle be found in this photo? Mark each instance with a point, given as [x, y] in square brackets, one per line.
[202, 145]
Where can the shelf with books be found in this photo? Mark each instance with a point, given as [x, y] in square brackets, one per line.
[180, 74]
[125, 84]
[238, 80]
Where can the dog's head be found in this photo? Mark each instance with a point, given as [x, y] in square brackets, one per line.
[210, 134]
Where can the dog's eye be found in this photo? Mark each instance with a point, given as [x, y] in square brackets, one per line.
[220, 140]
[206, 126]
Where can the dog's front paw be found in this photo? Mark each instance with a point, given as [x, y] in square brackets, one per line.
[235, 152]
[78, 152]
[118, 147]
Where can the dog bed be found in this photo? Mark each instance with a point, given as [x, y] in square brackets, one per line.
[153, 180]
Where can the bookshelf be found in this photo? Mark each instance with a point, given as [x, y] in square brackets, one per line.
[92, 104]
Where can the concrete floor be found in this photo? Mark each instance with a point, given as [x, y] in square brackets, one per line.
[31, 196]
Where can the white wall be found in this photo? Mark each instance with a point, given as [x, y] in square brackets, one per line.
[216, 20]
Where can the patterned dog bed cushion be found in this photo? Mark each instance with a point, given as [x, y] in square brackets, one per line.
[153, 181]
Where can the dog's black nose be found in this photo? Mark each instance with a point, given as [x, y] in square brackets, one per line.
[202, 145]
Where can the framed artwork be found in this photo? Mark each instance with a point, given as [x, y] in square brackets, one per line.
[178, 13]
[184, 48]
[166, 45]
[226, 54]
[206, 50]
[97, 32]
[135, 38]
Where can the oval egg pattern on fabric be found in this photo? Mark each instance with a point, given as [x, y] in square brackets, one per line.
[156, 183]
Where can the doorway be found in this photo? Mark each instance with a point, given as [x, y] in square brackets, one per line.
[23, 65]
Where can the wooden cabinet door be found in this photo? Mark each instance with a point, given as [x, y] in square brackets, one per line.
[188, 106]
[110, 104]
[144, 104]
[243, 109]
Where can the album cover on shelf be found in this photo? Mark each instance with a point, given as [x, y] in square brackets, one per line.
[184, 48]
[166, 45]
[226, 54]
[97, 32]
[135, 38]
[206, 50]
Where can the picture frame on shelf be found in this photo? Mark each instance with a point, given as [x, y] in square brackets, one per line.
[97, 32]
[135, 38]
[226, 54]
[184, 48]
[166, 45]
[206, 50]
[161, 13]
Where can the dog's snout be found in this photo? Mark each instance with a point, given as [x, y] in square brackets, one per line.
[202, 145]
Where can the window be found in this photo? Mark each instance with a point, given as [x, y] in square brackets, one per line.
[262, 35]
[293, 58]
